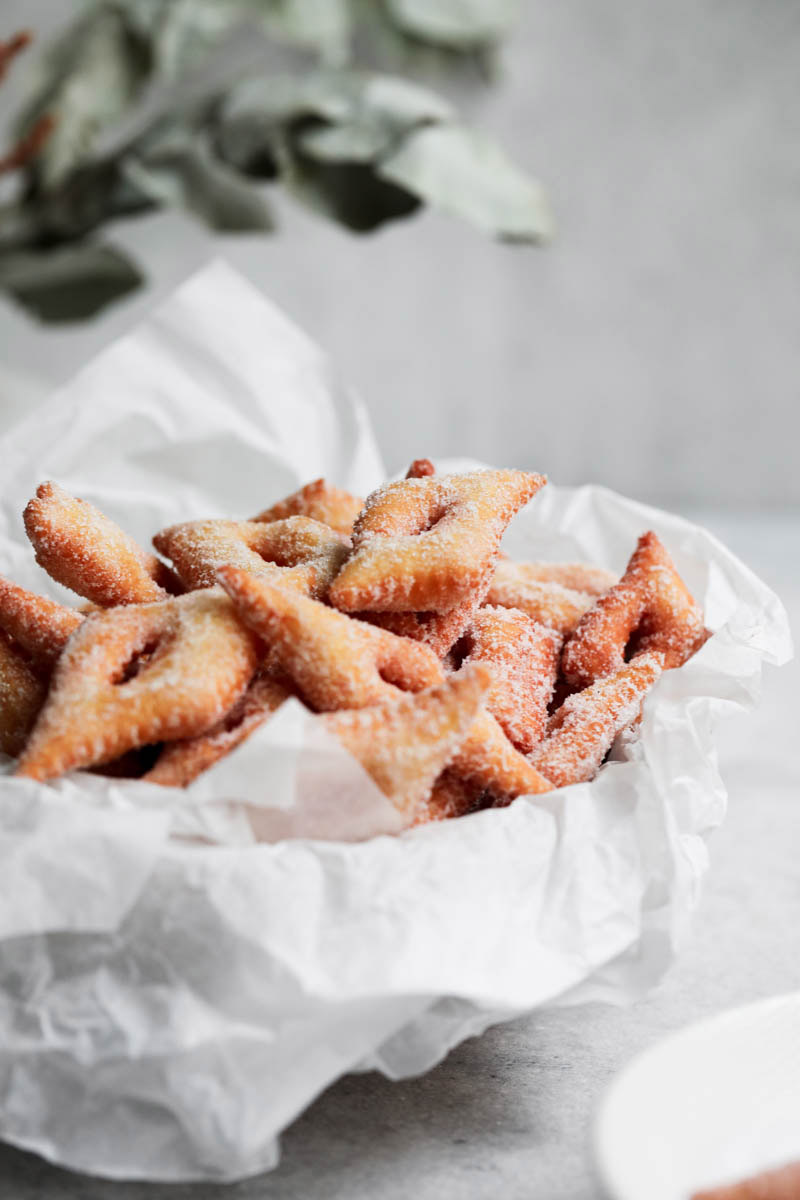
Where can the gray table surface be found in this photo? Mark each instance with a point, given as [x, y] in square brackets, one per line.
[510, 1114]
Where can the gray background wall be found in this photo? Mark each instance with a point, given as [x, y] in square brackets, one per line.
[655, 347]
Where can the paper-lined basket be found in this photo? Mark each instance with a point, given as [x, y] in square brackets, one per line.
[168, 1006]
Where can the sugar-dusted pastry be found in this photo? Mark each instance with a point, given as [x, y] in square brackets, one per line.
[335, 661]
[546, 601]
[582, 729]
[36, 623]
[321, 501]
[295, 552]
[452, 796]
[405, 743]
[649, 609]
[22, 694]
[487, 760]
[141, 674]
[179, 763]
[424, 545]
[577, 577]
[524, 658]
[439, 631]
[83, 549]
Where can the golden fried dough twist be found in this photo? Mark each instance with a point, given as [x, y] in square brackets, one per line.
[582, 729]
[650, 607]
[546, 601]
[425, 545]
[439, 631]
[488, 761]
[335, 661]
[22, 694]
[577, 577]
[322, 502]
[179, 763]
[80, 547]
[195, 658]
[36, 623]
[406, 743]
[524, 658]
[295, 552]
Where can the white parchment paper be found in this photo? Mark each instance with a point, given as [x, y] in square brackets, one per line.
[168, 1005]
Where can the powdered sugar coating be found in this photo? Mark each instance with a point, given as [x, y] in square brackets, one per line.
[37, 624]
[582, 729]
[405, 744]
[425, 566]
[199, 659]
[576, 577]
[488, 760]
[524, 659]
[296, 552]
[440, 631]
[335, 661]
[85, 551]
[322, 502]
[22, 694]
[650, 607]
[181, 762]
[424, 545]
[551, 604]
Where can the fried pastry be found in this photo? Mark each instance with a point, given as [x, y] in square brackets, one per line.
[37, 624]
[85, 551]
[434, 658]
[322, 502]
[582, 729]
[424, 545]
[179, 763]
[649, 609]
[577, 577]
[22, 694]
[524, 657]
[335, 661]
[488, 761]
[296, 552]
[406, 743]
[419, 468]
[546, 601]
[452, 796]
[439, 631]
[781, 1183]
[137, 675]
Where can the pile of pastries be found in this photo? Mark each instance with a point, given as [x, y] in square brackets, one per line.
[459, 678]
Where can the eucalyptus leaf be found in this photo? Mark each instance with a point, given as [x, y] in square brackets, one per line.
[350, 193]
[183, 33]
[68, 284]
[175, 167]
[88, 79]
[385, 40]
[332, 116]
[464, 173]
[382, 109]
[460, 24]
[252, 120]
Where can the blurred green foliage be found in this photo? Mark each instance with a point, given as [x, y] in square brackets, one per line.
[347, 130]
